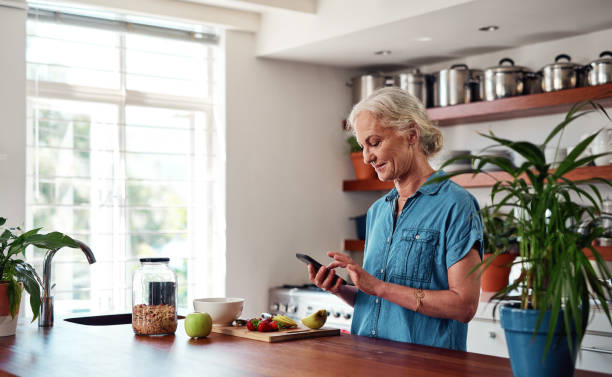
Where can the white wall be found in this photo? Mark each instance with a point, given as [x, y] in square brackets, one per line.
[286, 159]
[582, 49]
[12, 110]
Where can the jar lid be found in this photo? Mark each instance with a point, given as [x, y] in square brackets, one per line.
[154, 260]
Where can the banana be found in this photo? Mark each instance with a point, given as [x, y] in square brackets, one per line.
[286, 321]
[316, 320]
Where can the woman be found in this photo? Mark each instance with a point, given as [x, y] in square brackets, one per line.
[422, 240]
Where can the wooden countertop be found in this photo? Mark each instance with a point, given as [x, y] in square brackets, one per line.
[69, 349]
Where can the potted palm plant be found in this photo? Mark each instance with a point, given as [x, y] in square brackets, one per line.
[500, 248]
[362, 170]
[16, 274]
[557, 284]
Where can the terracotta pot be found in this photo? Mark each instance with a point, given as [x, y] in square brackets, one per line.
[8, 325]
[362, 170]
[495, 277]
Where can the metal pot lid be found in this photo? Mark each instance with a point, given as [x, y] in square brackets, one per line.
[457, 67]
[507, 68]
[602, 59]
[562, 65]
[411, 74]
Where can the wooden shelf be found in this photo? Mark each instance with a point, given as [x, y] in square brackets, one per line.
[520, 106]
[354, 245]
[480, 180]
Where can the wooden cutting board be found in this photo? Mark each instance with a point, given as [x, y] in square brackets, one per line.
[275, 336]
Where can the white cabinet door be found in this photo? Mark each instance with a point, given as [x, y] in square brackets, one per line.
[487, 337]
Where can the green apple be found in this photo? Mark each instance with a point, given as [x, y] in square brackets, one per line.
[198, 325]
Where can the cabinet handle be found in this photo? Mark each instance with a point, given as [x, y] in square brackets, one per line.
[492, 335]
[595, 349]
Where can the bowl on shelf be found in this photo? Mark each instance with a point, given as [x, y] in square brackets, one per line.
[222, 310]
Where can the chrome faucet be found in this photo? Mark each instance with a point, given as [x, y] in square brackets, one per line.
[45, 319]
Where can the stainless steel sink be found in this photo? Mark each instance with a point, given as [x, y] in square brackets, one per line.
[105, 320]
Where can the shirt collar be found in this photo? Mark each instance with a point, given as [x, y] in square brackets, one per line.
[429, 189]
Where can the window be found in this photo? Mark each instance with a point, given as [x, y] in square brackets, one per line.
[125, 151]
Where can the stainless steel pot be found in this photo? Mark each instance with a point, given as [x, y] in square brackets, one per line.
[533, 83]
[453, 83]
[562, 74]
[412, 81]
[364, 85]
[600, 71]
[504, 80]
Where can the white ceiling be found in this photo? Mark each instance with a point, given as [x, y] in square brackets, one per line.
[451, 28]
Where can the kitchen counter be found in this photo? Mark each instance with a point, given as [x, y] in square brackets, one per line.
[69, 349]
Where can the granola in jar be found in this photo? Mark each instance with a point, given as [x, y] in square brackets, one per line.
[154, 319]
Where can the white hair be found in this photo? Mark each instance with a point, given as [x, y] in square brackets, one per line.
[397, 108]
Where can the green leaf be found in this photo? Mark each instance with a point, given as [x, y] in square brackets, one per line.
[14, 297]
[51, 241]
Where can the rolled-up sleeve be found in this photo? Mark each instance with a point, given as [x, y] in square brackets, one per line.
[464, 230]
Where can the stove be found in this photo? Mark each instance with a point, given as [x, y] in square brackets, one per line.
[299, 301]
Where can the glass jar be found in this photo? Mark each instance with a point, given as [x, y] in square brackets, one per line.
[154, 298]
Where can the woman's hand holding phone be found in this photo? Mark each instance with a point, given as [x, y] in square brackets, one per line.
[324, 279]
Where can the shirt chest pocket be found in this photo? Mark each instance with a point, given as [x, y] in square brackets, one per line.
[414, 255]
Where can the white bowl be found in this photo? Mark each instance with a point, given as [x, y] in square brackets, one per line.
[223, 310]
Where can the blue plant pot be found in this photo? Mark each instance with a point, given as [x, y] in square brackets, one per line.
[526, 349]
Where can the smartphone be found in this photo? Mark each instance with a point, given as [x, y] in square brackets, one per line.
[309, 260]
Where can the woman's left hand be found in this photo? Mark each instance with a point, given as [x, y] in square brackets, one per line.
[362, 279]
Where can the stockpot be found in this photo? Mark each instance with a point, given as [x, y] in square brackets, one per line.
[600, 71]
[458, 84]
[364, 85]
[533, 83]
[415, 83]
[562, 74]
[504, 80]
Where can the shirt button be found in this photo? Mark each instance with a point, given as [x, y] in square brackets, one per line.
[373, 332]
[417, 237]
[388, 239]
[382, 270]
[377, 301]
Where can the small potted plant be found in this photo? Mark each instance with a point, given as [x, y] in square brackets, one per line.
[557, 284]
[500, 247]
[362, 170]
[16, 273]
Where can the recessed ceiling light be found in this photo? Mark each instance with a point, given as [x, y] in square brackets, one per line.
[382, 52]
[489, 28]
[423, 39]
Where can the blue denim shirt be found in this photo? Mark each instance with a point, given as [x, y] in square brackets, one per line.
[437, 227]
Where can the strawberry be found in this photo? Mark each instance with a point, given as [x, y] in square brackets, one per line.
[267, 325]
[252, 324]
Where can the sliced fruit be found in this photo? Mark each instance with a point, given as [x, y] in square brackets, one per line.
[316, 320]
[285, 321]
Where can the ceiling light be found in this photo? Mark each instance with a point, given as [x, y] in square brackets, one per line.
[489, 28]
[382, 52]
[423, 39]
